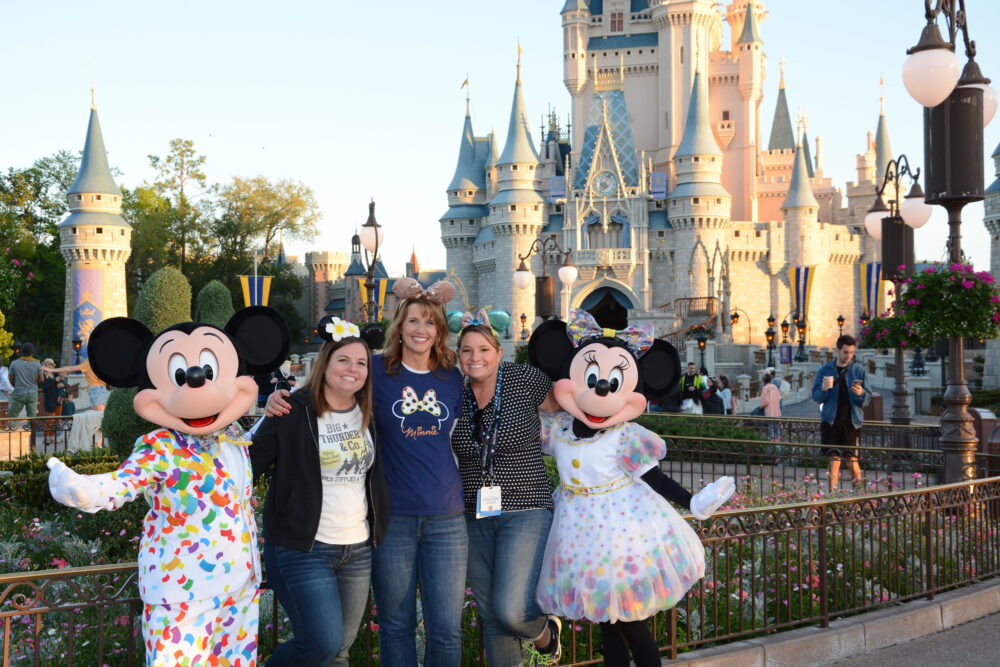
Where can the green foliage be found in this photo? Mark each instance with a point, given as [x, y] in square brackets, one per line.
[521, 354]
[6, 340]
[177, 175]
[256, 209]
[164, 300]
[151, 215]
[699, 426]
[951, 302]
[121, 425]
[214, 304]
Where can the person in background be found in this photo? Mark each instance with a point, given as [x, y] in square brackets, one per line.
[53, 388]
[841, 387]
[770, 400]
[692, 383]
[713, 403]
[5, 386]
[25, 375]
[327, 504]
[726, 394]
[97, 391]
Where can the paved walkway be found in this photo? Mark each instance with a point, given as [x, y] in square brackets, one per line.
[811, 409]
[975, 643]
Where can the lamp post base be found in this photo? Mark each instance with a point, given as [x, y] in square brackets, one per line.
[900, 406]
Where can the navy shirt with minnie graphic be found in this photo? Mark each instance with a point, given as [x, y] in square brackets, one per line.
[415, 413]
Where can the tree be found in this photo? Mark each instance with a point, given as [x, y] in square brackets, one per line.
[178, 175]
[256, 210]
[6, 340]
[164, 300]
[150, 214]
[214, 304]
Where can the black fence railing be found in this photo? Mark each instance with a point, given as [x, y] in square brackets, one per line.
[767, 569]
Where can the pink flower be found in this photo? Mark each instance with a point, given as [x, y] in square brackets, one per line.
[30, 275]
[921, 286]
[996, 317]
[16, 262]
[913, 302]
[60, 563]
[930, 269]
[901, 267]
[903, 343]
[955, 267]
[968, 284]
[995, 298]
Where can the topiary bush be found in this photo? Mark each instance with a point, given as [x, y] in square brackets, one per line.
[164, 300]
[121, 425]
[214, 304]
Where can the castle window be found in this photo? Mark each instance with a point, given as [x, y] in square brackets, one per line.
[531, 167]
[74, 230]
[659, 234]
[696, 159]
[696, 200]
[757, 233]
[558, 208]
[122, 233]
[468, 193]
[451, 224]
[779, 225]
[666, 119]
[652, 50]
[98, 197]
[718, 201]
[617, 22]
[471, 223]
[640, 52]
[79, 197]
[725, 114]
[659, 204]
[99, 230]
[513, 167]
[536, 207]
[682, 55]
[836, 237]
[736, 233]
[513, 207]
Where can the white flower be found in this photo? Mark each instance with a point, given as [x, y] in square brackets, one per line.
[339, 329]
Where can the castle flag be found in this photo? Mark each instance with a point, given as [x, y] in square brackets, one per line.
[871, 287]
[800, 278]
[255, 290]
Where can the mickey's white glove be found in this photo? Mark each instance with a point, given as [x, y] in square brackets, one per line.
[73, 489]
[705, 502]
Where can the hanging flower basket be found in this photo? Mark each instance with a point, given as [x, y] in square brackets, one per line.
[699, 331]
[892, 331]
[948, 302]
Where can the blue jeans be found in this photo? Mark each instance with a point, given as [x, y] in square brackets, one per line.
[324, 593]
[435, 550]
[505, 560]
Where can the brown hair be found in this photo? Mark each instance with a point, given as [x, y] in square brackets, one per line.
[315, 385]
[484, 330]
[442, 357]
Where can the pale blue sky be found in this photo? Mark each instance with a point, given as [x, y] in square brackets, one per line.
[361, 99]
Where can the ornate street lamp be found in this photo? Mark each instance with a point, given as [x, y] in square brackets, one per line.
[544, 285]
[784, 331]
[524, 327]
[840, 324]
[800, 355]
[956, 109]
[77, 344]
[372, 235]
[734, 319]
[702, 341]
[769, 335]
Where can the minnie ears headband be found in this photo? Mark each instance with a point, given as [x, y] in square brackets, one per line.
[582, 326]
[497, 320]
[440, 292]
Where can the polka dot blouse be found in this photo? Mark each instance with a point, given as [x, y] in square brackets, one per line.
[517, 465]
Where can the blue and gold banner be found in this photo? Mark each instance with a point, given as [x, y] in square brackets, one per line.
[800, 279]
[871, 288]
[381, 287]
[255, 290]
[88, 303]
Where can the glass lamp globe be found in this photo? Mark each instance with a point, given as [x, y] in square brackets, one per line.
[522, 277]
[915, 211]
[371, 237]
[930, 75]
[989, 101]
[568, 274]
[873, 224]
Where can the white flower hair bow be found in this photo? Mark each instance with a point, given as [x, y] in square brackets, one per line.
[339, 329]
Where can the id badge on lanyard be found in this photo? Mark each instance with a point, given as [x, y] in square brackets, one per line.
[488, 496]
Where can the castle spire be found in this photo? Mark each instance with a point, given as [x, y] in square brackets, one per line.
[750, 33]
[95, 174]
[800, 194]
[883, 151]
[782, 137]
[519, 147]
[698, 138]
[804, 142]
[469, 173]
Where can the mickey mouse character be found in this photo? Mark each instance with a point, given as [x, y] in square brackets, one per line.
[617, 551]
[198, 564]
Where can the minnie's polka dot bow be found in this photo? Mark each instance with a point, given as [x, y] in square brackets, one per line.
[429, 403]
[582, 326]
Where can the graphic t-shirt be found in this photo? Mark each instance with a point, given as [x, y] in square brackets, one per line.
[415, 413]
[346, 453]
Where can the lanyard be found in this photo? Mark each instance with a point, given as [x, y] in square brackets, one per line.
[488, 451]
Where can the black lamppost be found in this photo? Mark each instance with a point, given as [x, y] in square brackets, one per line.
[702, 341]
[840, 324]
[956, 109]
[545, 291]
[371, 235]
[784, 331]
[800, 355]
[734, 319]
[769, 335]
[524, 327]
[77, 344]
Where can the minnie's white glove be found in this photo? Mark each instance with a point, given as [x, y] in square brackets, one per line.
[705, 502]
[73, 489]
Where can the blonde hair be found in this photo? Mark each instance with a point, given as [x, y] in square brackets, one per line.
[315, 385]
[442, 357]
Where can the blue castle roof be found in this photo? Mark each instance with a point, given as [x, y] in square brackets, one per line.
[519, 147]
[800, 194]
[636, 41]
[698, 138]
[95, 174]
[782, 136]
[469, 174]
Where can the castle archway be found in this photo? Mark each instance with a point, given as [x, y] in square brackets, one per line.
[609, 306]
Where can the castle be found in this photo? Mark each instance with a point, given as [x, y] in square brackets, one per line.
[674, 209]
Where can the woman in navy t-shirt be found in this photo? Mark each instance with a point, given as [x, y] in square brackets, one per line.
[417, 397]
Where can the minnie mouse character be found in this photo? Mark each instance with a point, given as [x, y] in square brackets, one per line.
[198, 564]
[617, 552]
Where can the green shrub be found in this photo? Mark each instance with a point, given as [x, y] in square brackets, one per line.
[214, 304]
[164, 300]
[121, 424]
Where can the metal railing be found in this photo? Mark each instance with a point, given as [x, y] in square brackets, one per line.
[767, 569]
[38, 435]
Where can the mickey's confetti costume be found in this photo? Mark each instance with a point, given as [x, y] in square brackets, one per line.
[199, 569]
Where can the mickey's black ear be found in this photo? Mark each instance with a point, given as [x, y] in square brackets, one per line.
[549, 348]
[374, 335]
[661, 370]
[261, 336]
[321, 327]
[117, 350]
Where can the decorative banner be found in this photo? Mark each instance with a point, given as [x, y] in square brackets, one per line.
[255, 290]
[557, 188]
[88, 301]
[381, 288]
[800, 279]
[658, 184]
[871, 287]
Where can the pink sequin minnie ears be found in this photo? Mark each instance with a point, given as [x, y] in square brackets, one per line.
[440, 292]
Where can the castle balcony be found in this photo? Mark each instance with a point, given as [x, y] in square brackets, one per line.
[621, 261]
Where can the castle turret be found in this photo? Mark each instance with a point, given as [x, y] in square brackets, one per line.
[883, 150]
[782, 137]
[576, 22]
[699, 209]
[95, 241]
[801, 212]
[743, 148]
[517, 212]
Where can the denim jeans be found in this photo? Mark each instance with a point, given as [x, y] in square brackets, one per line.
[505, 560]
[435, 550]
[324, 593]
